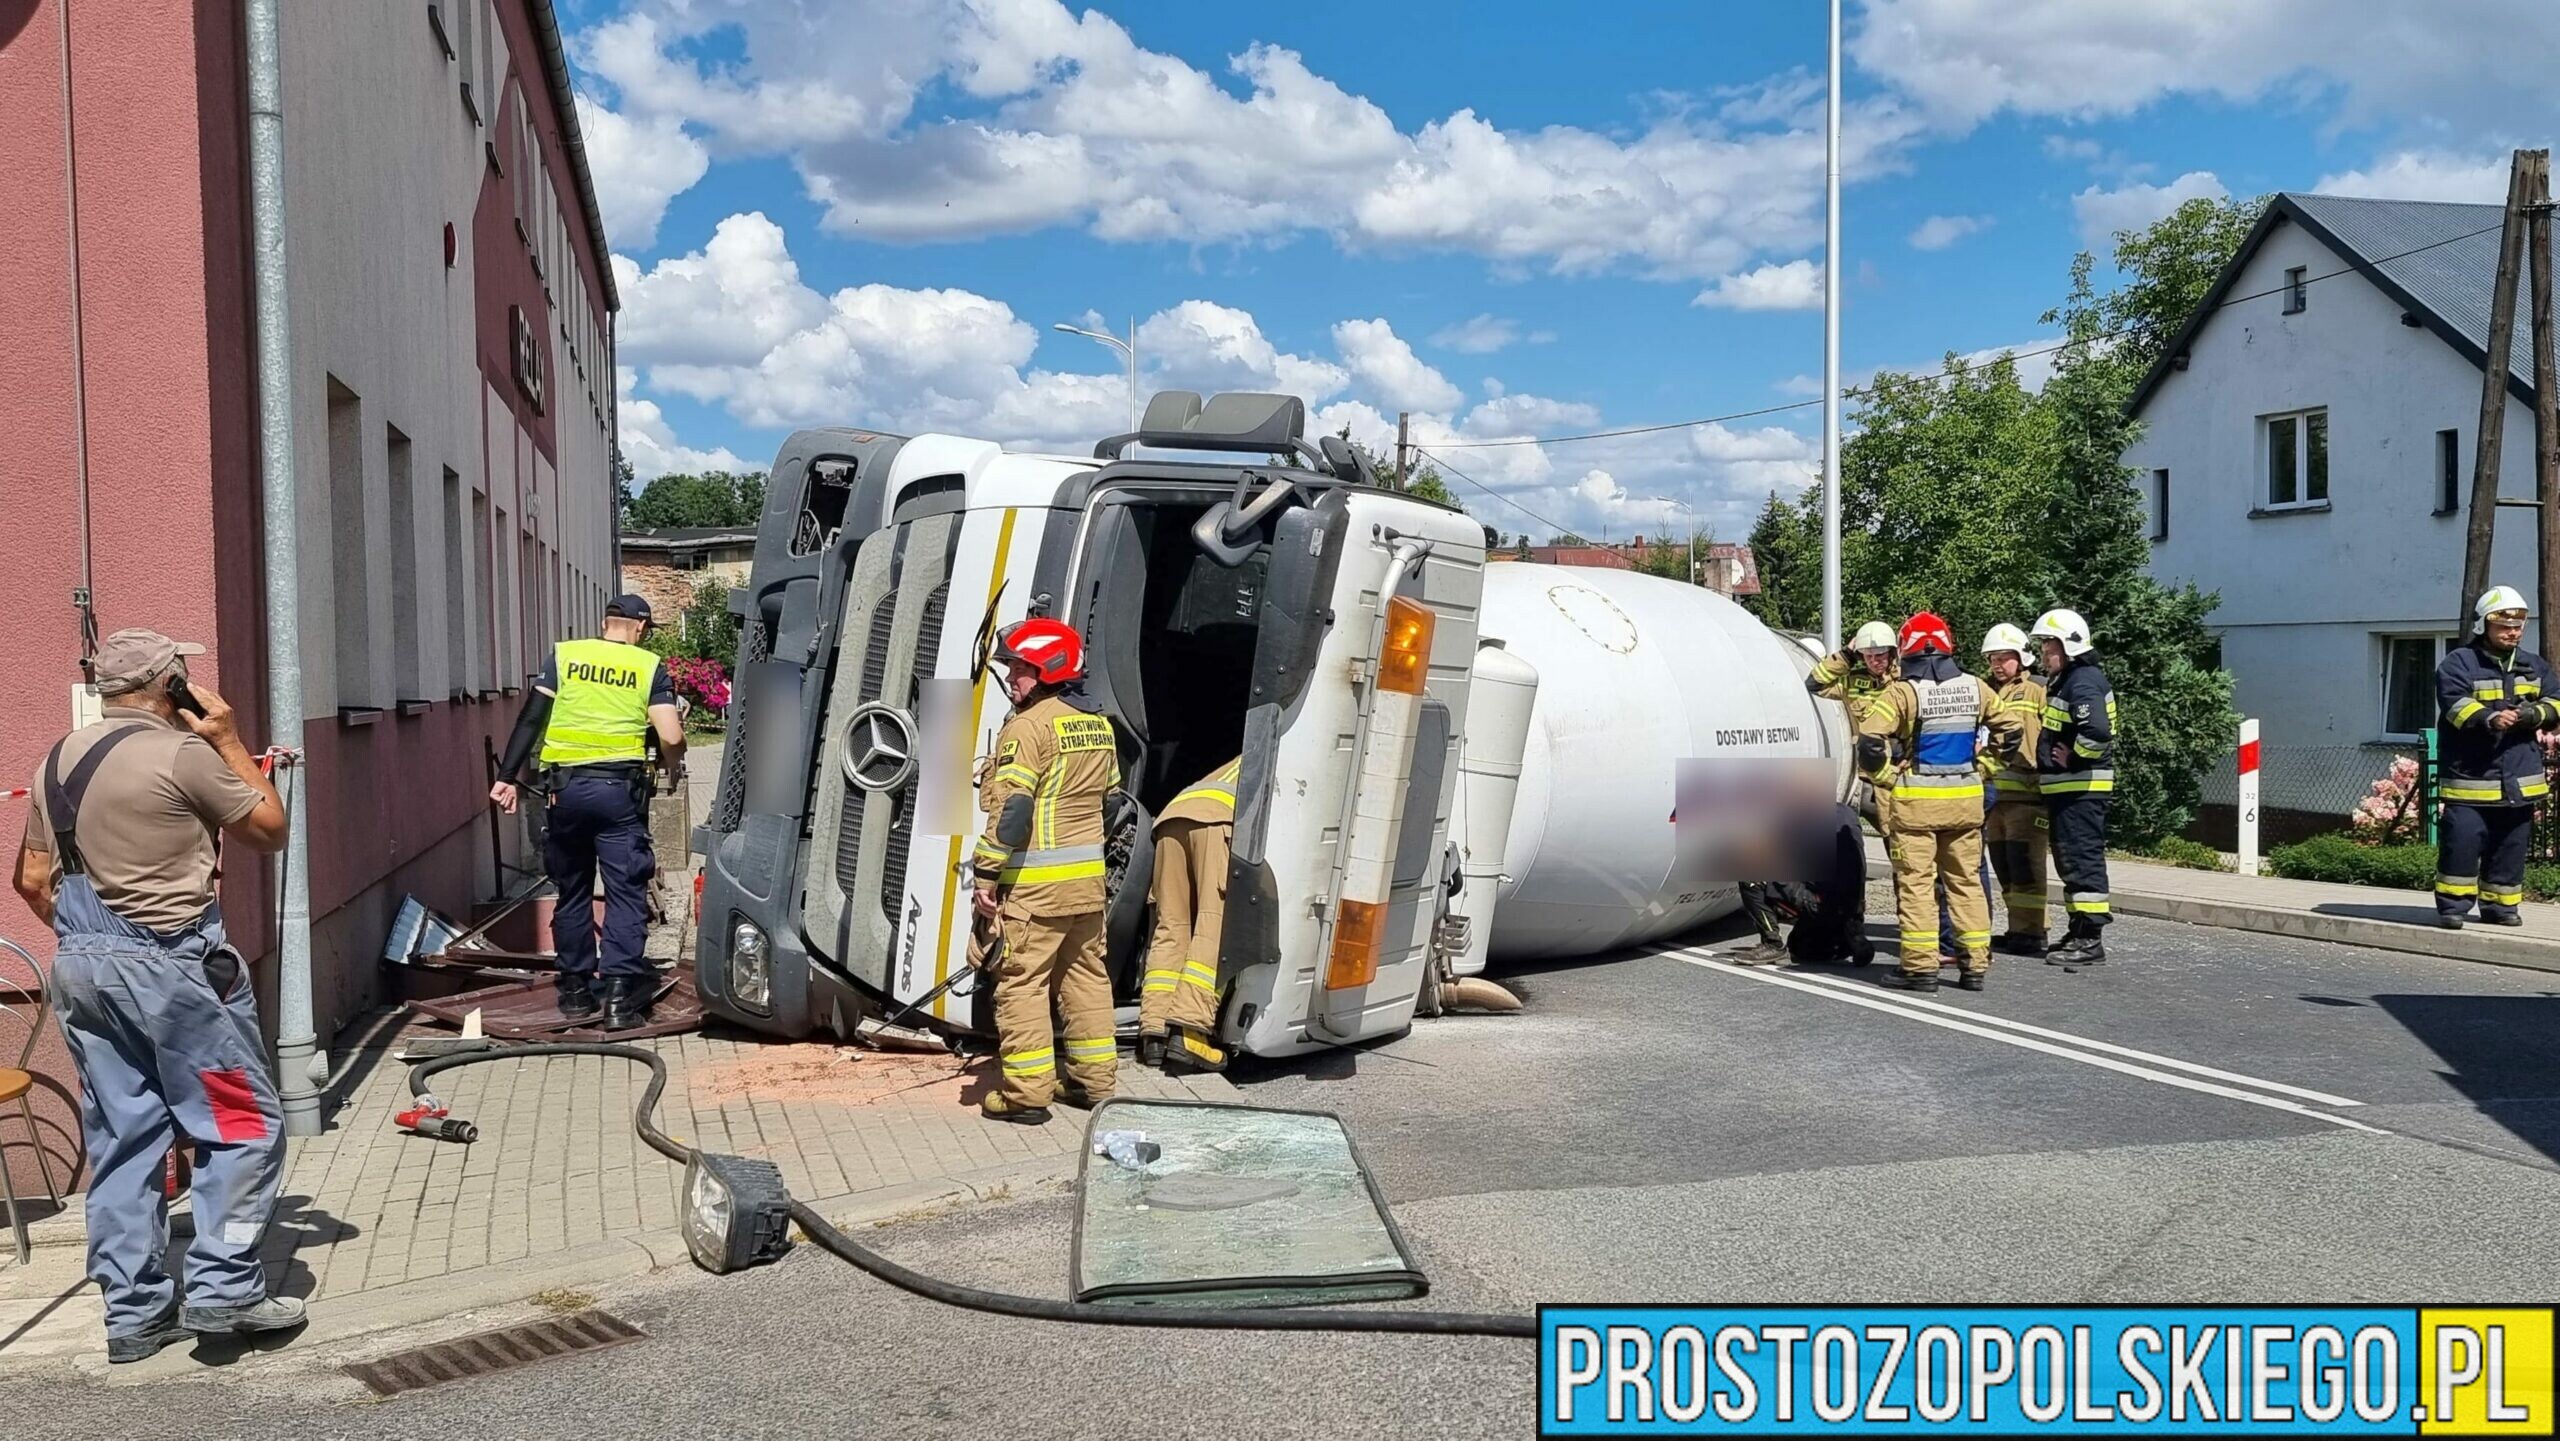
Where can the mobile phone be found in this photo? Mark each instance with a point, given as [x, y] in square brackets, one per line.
[183, 698]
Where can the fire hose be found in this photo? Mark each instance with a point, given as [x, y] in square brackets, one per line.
[1031, 1308]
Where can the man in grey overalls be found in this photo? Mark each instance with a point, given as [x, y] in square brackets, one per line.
[119, 857]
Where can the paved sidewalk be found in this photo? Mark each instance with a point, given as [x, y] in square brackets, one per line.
[379, 1227]
[2391, 920]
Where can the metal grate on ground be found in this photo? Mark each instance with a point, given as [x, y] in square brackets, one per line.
[488, 1352]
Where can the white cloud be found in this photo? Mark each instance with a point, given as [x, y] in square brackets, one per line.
[1940, 231]
[2103, 212]
[650, 444]
[638, 166]
[1202, 346]
[730, 302]
[1387, 368]
[1966, 60]
[2070, 149]
[2425, 175]
[1796, 285]
[1486, 334]
[1076, 124]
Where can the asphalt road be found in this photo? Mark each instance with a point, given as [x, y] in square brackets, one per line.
[2212, 1117]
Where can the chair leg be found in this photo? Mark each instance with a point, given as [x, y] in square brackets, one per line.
[44, 1164]
[9, 1188]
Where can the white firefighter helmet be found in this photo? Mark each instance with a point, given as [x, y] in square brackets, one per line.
[1874, 635]
[2065, 626]
[2499, 598]
[2004, 637]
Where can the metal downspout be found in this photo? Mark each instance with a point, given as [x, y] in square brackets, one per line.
[297, 1044]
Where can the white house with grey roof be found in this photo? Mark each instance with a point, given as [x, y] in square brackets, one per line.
[2306, 451]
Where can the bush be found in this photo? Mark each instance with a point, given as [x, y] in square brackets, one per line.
[2179, 851]
[2345, 861]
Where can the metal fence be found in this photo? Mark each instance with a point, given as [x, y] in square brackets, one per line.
[2304, 791]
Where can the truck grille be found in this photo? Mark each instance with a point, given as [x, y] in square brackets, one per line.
[875, 667]
[893, 875]
[730, 803]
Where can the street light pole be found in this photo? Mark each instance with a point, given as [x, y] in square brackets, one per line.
[1128, 347]
[1831, 350]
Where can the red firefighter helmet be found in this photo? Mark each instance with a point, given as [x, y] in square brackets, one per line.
[1925, 634]
[1050, 648]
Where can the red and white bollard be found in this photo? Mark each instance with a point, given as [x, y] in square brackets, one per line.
[2248, 808]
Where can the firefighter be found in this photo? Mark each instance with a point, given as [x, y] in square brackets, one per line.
[1039, 871]
[1855, 677]
[2076, 779]
[1178, 1000]
[593, 708]
[1932, 719]
[2015, 832]
[2495, 695]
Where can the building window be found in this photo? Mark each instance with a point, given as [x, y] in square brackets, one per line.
[2448, 471]
[2409, 682]
[2297, 290]
[408, 665]
[2297, 451]
[502, 595]
[350, 556]
[2159, 507]
[455, 523]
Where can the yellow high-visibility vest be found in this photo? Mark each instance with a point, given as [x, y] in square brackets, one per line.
[601, 711]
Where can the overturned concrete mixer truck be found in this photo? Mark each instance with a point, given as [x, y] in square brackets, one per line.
[1443, 760]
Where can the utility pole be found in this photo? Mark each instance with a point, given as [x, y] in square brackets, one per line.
[2488, 440]
[2546, 404]
[1404, 423]
[1831, 350]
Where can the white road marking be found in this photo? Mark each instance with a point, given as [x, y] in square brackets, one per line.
[2088, 1043]
[1709, 961]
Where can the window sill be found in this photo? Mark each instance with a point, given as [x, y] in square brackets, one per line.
[2440, 512]
[415, 707]
[496, 166]
[471, 107]
[435, 23]
[2265, 512]
[358, 715]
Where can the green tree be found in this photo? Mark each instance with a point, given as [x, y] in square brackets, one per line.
[705, 630]
[1786, 546]
[1669, 558]
[714, 497]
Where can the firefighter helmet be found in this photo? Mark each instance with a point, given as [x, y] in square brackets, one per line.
[1050, 649]
[2067, 627]
[2004, 637]
[1926, 633]
[2500, 598]
[1874, 635]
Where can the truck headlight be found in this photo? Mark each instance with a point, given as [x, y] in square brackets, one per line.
[750, 968]
[736, 1212]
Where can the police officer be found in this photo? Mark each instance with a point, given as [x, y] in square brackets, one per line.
[2495, 695]
[1178, 998]
[119, 858]
[2015, 832]
[1933, 718]
[593, 708]
[2076, 779]
[1039, 869]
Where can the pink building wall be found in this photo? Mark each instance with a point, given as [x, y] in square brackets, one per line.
[167, 339]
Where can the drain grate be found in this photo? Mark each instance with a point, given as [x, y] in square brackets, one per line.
[491, 1351]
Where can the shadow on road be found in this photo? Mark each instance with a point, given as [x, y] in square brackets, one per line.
[2497, 1052]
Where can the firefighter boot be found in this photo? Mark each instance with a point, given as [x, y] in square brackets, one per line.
[1187, 1050]
[626, 1001]
[996, 1108]
[1151, 1048]
[577, 996]
[1923, 981]
[2019, 943]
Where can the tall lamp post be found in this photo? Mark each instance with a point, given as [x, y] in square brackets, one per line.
[1128, 347]
[1693, 531]
[1831, 350]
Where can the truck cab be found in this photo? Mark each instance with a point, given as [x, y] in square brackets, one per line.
[1241, 591]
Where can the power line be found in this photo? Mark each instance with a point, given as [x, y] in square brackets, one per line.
[1961, 368]
[1443, 462]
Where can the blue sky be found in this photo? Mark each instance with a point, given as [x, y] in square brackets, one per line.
[1512, 219]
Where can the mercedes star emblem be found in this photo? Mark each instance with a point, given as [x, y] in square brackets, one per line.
[879, 747]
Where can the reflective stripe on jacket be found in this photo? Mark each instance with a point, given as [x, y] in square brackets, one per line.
[2076, 753]
[1062, 760]
[2482, 766]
